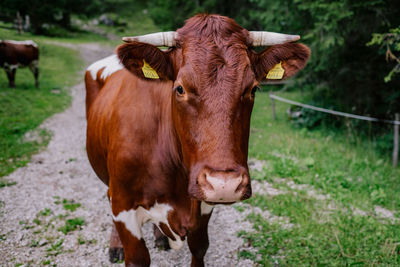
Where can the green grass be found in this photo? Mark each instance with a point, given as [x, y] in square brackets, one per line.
[70, 205]
[56, 248]
[24, 108]
[72, 225]
[326, 232]
[45, 212]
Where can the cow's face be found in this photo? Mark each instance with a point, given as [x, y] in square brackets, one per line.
[215, 77]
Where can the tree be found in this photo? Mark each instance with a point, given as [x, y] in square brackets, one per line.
[390, 43]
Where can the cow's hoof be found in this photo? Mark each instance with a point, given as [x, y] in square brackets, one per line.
[116, 255]
[162, 243]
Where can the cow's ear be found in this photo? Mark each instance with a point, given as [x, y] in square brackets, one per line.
[146, 61]
[280, 61]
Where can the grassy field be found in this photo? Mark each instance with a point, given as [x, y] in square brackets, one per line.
[23, 109]
[340, 199]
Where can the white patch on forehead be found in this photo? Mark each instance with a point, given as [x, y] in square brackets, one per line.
[27, 42]
[110, 64]
[134, 219]
[205, 208]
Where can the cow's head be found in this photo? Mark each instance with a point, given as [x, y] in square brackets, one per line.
[215, 76]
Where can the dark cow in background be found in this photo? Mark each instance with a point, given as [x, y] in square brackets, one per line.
[168, 131]
[15, 54]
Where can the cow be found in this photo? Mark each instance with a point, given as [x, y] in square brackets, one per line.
[15, 54]
[168, 130]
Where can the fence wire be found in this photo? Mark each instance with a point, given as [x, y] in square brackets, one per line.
[334, 112]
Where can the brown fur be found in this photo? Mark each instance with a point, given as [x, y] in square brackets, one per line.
[133, 54]
[150, 144]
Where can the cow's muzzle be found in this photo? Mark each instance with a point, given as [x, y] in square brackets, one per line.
[222, 186]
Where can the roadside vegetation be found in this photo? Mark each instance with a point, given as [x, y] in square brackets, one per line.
[49, 229]
[339, 196]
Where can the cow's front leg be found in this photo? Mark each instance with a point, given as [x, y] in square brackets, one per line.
[11, 77]
[135, 250]
[198, 239]
[128, 224]
[116, 251]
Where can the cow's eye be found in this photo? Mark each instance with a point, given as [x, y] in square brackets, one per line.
[179, 90]
[254, 90]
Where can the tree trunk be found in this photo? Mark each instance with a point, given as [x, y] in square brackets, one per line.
[66, 20]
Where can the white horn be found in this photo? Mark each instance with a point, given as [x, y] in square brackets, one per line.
[261, 38]
[156, 39]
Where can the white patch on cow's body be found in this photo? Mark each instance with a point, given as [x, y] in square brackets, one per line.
[177, 244]
[33, 66]
[10, 67]
[129, 218]
[205, 208]
[110, 64]
[27, 42]
[134, 219]
[34, 63]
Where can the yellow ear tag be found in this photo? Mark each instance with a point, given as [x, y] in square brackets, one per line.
[148, 71]
[276, 73]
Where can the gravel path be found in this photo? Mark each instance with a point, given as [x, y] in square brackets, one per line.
[58, 191]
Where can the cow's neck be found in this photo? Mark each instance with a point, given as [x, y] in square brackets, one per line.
[168, 155]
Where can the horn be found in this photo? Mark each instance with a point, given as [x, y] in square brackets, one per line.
[261, 38]
[156, 39]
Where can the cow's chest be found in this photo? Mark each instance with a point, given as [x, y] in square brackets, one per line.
[157, 214]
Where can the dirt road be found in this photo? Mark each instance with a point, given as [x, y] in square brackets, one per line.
[58, 213]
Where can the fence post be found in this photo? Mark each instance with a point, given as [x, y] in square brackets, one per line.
[396, 141]
[272, 106]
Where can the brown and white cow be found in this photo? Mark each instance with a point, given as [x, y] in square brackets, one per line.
[15, 54]
[168, 130]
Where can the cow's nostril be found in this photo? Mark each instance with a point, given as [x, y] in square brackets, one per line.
[203, 182]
